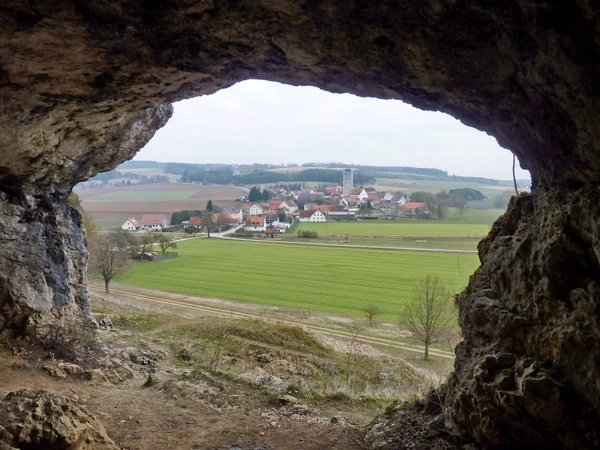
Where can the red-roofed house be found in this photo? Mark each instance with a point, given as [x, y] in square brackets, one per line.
[374, 199]
[312, 216]
[131, 224]
[353, 201]
[154, 221]
[288, 206]
[275, 204]
[414, 208]
[236, 213]
[255, 223]
[314, 207]
[195, 221]
[227, 219]
[360, 192]
[272, 232]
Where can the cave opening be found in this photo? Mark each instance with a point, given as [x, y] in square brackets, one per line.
[83, 87]
[262, 122]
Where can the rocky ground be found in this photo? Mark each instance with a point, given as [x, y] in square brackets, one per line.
[134, 392]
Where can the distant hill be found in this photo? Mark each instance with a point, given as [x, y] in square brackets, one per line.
[214, 173]
[140, 165]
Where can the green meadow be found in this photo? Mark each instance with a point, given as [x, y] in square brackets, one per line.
[402, 228]
[447, 234]
[330, 279]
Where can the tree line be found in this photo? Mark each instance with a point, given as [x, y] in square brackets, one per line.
[318, 175]
[438, 204]
[225, 176]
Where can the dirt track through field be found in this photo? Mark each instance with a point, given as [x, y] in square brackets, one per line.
[196, 304]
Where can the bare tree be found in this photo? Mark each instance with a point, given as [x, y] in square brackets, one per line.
[371, 310]
[354, 357]
[109, 255]
[459, 201]
[221, 220]
[143, 244]
[501, 199]
[165, 242]
[430, 313]
[208, 221]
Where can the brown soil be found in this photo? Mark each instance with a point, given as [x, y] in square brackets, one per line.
[178, 414]
[184, 409]
[222, 196]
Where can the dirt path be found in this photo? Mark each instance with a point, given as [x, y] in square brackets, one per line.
[220, 308]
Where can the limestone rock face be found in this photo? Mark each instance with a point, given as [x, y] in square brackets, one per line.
[83, 85]
[45, 420]
[528, 368]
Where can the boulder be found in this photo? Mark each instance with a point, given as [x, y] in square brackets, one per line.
[42, 419]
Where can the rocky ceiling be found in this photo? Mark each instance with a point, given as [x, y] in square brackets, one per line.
[85, 84]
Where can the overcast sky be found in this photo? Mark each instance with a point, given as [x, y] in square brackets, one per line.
[263, 122]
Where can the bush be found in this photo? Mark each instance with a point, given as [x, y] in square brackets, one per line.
[306, 234]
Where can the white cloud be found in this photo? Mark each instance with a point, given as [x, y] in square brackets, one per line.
[263, 122]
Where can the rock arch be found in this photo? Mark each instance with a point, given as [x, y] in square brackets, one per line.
[83, 85]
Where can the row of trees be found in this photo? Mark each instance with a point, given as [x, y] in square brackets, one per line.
[258, 195]
[438, 204]
[318, 175]
[225, 175]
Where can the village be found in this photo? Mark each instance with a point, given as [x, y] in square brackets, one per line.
[274, 216]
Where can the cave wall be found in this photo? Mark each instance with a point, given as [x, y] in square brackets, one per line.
[85, 84]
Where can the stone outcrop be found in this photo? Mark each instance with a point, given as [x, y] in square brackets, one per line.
[45, 420]
[531, 323]
[83, 85]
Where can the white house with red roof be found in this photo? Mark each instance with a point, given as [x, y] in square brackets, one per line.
[275, 204]
[154, 221]
[289, 206]
[314, 215]
[360, 192]
[131, 224]
[255, 223]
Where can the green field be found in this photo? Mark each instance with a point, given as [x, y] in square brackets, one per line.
[332, 279]
[402, 228]
[432, 185]
[448, 234]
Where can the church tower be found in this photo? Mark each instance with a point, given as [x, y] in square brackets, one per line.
[347, 182]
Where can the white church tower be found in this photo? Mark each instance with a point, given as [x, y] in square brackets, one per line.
[347, 182]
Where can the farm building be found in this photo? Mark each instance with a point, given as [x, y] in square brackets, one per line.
[341, 215]
[131, 224]
[154, 221]
[312, 216]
